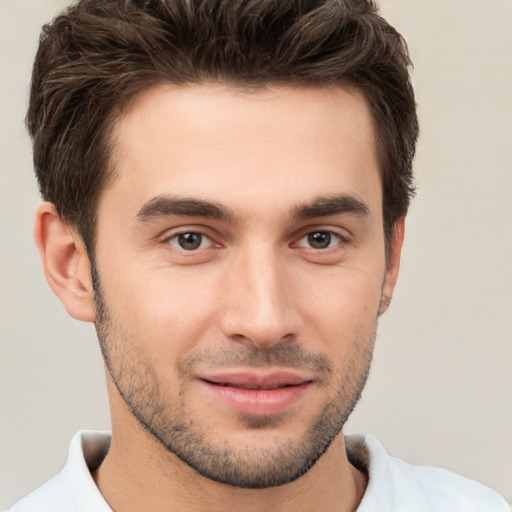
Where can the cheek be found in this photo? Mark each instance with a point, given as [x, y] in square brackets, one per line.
[345, 307]
[165, 312]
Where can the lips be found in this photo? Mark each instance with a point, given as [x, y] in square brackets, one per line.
[257, 394]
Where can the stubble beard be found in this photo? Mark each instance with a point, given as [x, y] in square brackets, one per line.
[169, 423]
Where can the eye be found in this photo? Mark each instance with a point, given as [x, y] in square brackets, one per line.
[320, 240]
[190, 241]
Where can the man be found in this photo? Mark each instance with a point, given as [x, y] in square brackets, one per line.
[225, 188]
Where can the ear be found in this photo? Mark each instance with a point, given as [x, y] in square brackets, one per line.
[393, 265]
[65, 262]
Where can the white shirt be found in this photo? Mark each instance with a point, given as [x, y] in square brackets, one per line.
[393, 486]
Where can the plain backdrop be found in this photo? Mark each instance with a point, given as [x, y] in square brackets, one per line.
[441, 388]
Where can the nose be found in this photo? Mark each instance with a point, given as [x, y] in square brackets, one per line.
[259, 307]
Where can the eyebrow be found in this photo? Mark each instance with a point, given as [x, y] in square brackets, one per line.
[324, 206]
[167, 205]
[164, 206]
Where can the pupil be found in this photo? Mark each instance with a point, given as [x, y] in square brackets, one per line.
[319, 240]
[190, 241]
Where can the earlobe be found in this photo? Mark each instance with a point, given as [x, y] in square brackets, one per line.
[393, 265]
[65, 261]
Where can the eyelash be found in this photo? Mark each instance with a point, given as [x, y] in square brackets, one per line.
[176, 236]
[340, 240]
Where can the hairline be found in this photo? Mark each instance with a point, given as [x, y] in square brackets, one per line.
[120, 111]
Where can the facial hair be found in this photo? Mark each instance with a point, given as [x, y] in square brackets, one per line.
[170, 423]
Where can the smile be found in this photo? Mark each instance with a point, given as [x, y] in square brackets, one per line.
[227, 384]
[257, 395]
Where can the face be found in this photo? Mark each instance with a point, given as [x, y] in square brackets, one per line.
[241, 267]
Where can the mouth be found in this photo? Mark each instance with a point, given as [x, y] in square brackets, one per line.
[241, 386]
[257, 394]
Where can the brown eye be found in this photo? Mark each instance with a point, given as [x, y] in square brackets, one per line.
[321, 239]
[189, 241]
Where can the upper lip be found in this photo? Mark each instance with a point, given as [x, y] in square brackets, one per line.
[255, 380]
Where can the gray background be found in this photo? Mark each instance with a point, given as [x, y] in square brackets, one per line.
[441, 388]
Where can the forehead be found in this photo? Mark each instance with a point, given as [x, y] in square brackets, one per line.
[280, 144]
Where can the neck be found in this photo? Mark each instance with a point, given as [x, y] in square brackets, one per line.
[139, 474]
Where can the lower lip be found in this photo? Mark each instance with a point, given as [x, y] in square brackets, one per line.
[258, 402]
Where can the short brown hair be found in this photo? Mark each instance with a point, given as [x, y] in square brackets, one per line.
[99, 54]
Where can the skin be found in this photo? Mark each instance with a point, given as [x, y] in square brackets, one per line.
[254, 286]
